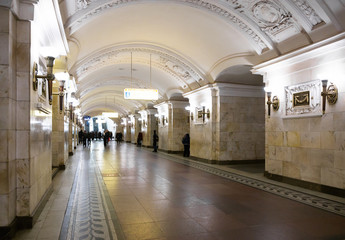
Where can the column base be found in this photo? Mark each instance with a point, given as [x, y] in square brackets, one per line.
[18, 223]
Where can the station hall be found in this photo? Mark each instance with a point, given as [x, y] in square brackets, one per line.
[172, 119]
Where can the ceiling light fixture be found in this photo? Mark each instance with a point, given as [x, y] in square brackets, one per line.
[141, 93]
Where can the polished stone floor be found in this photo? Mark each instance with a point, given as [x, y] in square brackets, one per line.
[126, 192]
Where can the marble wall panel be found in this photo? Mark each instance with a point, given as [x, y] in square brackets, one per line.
[328, 140]
[339, 160]
[23, 202]
[317, 144]
[333, 177]
[7, 108]
[7, 208]
[310, 139]
[22, 173]
[22, 144]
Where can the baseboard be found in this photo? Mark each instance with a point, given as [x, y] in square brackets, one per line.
[308, 185]
[8, 232]
[171, 151]
[62, 167]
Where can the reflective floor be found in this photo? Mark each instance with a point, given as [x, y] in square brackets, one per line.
[126, 192]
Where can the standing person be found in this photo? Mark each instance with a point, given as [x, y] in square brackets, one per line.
[84, 138]
[155, 141]
[139, 139]
[80, 136]
[186, 144]
[106, 137]
[89, 136]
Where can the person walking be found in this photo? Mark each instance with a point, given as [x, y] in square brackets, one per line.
[139, 139]
[106, 137]
[186, 145]
[155, 141]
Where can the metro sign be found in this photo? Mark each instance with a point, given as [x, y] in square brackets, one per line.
[141, 94]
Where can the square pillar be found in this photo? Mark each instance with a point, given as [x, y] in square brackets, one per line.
[173, 124]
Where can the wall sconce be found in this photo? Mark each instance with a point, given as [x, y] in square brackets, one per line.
[49, 76]
[205, 114]
[70, 111]
[61, 94]
[275, 103]
[331, 93]
[164, 120]
[191, 116]
[269, 94]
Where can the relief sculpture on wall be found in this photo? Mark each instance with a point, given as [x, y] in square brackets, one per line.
[303, 99]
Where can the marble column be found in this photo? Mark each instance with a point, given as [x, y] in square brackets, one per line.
[70, 127]
[75, 137]
[148, 125]
[8, 106]
[228, 123]
[58, 133]
[173, 124]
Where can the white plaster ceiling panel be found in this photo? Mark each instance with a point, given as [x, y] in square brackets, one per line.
[196, 35]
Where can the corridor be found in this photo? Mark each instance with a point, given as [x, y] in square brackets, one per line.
[126, 192]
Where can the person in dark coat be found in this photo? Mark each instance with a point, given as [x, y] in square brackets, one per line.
[186, 144]
[106, 137]
[84, 138]
[155, 141]
[80, 136]
[139, 139]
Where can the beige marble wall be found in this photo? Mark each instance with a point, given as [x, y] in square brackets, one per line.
[8, 124]
[171, 133]
[148, 129]
[58, 132]
[308, 148]
[242, 128]
[234, 130]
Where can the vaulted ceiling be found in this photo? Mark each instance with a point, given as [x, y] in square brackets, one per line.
[177, 46]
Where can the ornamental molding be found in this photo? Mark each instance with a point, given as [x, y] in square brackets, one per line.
[87, 9]
[308, 11]
[176, 66]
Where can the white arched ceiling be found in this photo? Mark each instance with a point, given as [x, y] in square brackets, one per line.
[191, 42]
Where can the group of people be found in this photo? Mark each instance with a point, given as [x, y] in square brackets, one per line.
[86, 138]
[185, 142]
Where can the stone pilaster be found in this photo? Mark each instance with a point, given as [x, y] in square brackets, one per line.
[8, 106]
[70, 127]
[58, 133]
[173, 124]
[229, 118]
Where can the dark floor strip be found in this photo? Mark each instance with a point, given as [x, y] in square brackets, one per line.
[314, 201]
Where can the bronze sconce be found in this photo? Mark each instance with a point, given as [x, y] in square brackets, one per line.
[205, 114]
[49, 76]
[274, 103]
[61, 94]
[331, 93]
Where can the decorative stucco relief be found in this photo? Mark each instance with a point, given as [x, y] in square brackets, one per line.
[162, 59]
[313, 100]
[308, 11]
